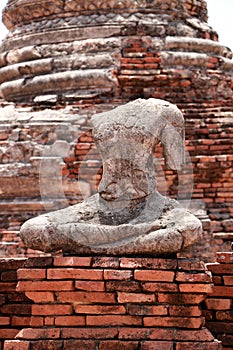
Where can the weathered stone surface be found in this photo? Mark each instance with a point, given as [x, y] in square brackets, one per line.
[128, 216]
[43, 56]
[23, 11]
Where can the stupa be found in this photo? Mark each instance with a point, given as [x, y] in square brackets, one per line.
[64, 61]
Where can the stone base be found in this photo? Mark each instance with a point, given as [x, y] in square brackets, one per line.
[112, 303]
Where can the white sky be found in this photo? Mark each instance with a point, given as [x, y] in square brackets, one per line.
[220, 18]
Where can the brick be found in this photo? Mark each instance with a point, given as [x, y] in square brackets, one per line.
[201, 335]
[95, 286]
[123, 297]
[131, 333]
[157, 345]
[162, 334]
[17, 297]
[26, 321]
[8, 333]
[38, 262]
[194, 277]
[45, 286]
[72, 261]
[160, 287]
[181, 310]
[16, 309]
[224, 315]
[48, 309]
[123, 286]
[9, 276]
[70, 321]
[198, 346]
[21, 321]
[154, 275]
[86, 297]
[218, 303]
[100, 309]
[220, 269]
[105, 262]
[49, 321]
[118, 275]
[72, 273]
[165, 334]
[217, 280]
[114, 320]
[31, 274]
[12, 264]
[191, 265]
[40, 297]
[178, 322]
[47, 345]
[181, 298]
[222, 291]
[225, 258]
[4, 321]
[36, 321]
[143, 309]
[7, 287]
[32, 333]
[79, 345]
[16, 345]
[196, 288]
[89, 333]
[150, 263]
[228, 280]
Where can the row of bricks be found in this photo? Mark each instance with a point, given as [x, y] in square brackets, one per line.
[212, 201]
[117, 320]
[173, 298]
[121, 333]
[112, 274]
[145, 60]
[87, 309]
[104, 262]
[154, 82]
[140, 291]
[111, 345]
[150, 79]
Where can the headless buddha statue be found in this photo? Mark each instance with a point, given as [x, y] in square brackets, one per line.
[128, 216]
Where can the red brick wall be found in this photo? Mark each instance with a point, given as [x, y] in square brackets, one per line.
[219, 305]
[14, 306]
[111, 303]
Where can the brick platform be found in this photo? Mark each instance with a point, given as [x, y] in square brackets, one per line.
[219, 305]
[110, 303]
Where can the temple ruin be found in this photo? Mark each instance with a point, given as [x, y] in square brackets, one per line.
[64, 61]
